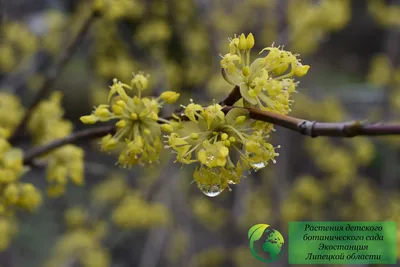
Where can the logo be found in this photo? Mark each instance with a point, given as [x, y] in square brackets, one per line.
[265, 243]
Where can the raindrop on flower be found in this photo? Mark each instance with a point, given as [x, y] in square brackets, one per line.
[211, 190]
[210, 159]
[258, 165]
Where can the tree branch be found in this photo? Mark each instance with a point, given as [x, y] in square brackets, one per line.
[54, 72]
[305, 127]
[87, 134]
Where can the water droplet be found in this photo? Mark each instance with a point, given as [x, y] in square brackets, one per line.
[258, 165]
[210, 159]
[211, 190]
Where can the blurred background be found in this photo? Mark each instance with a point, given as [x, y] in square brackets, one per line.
[156, 216]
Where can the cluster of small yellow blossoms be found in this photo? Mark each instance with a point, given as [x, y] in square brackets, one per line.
[384, 13]
[267, 82]
[80, 245]
[133, 212]
[213, 139]
[109, 191]
[310, 21]
[18, 43]
[214, 256]
[13, 193]
[119, 9]
[138, 126]
[215, 136]
[209, 215]
[11, 112]
[47, 124]
[8, 229]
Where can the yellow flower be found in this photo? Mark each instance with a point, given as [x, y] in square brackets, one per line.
[214, 137]
[265, 83]
[138, 125]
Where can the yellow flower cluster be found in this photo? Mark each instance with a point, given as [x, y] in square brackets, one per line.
[17, 45]
[109, 191]
[385, 14]
[82, 246]
[216, 135]
[309, 22]
[267, 82]
[256, 207]
[210, 216]
[214, 138]
[177, 245]
[55, 21]
[380, 72]
[138, 127]
[153, 32]
[47, 124]
[65, 162]
[13, 193]
[8, 229]
[133, 212]
[11, 112]
[119, 9]
[76, 217]
[111, 58]
[211, 257]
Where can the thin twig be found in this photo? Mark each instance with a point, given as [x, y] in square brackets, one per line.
[305, 127]
[87, 134]
[54, 72]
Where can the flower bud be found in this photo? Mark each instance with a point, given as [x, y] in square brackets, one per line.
[194, 136]
[121, 103]
[169, 96]
[102, 112]
[281, 69]
[239, 120]
[301, 70]
[250, 41]
[11, 193]
[153, 116]
[246, 71]
[89, 119]
[117, 109]
[242, 42]
[167, 128]
[140, 81]
[121, 124]
[134, 116]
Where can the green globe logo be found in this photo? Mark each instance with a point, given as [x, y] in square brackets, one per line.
[265, 243]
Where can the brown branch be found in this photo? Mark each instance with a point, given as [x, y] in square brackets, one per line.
[305, 127]
[54, 72]
[233, 96]
[87, 134]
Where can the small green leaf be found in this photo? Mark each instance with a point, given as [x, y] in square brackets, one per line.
[234, 113]
[256, 231]
[244, 91]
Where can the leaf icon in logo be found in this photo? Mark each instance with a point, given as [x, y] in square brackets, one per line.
[254, 234]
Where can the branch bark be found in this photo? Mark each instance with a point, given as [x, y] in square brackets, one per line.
[87, 134]
[305, 127]
[54, 73]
